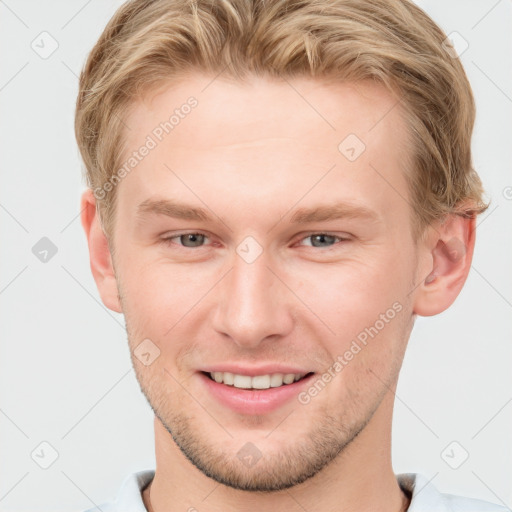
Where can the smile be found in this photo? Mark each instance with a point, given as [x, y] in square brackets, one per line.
[267, 381]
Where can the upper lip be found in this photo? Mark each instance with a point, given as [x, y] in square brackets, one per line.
[252, 371]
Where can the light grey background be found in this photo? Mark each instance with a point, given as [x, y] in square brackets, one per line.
[65, 372]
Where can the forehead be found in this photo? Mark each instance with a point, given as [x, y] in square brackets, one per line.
[269, 139]
[265, 107]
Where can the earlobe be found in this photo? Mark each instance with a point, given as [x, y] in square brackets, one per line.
[99, 253]
[449, 253]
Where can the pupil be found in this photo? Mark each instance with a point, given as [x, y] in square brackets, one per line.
[323, 239]
[192, 239]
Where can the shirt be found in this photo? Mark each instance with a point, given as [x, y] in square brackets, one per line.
[424, 496]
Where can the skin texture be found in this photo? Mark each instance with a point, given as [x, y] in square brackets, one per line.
[251, 155]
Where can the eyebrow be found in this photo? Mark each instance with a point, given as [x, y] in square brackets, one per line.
[301, 216]
[172, 209]
[333, 212]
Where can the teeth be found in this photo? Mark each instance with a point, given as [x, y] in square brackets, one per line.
[229, 378]
[257, 382]
[276, 380]
[288, 378]
[260, 381]
[242, 381]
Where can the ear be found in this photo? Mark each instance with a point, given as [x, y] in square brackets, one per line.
[99, 253]
[447, 255]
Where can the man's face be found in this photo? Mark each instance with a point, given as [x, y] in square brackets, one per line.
[272, 282]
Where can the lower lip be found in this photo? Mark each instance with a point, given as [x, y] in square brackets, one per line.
[260, 401]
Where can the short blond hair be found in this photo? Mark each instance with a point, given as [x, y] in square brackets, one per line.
[148, 43]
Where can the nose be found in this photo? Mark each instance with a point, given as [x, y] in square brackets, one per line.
[253, 304]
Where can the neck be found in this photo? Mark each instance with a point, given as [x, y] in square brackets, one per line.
[359, 479]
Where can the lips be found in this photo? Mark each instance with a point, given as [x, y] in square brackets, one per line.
[264, 376]
[253, 400]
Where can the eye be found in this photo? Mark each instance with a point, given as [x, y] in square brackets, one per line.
[191, 240]
[187, 239]
[323, 240]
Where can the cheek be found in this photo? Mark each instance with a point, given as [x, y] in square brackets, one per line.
[350, 296]
[157, 295]
[364, 304]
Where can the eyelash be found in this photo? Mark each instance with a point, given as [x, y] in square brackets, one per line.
[168, 240]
